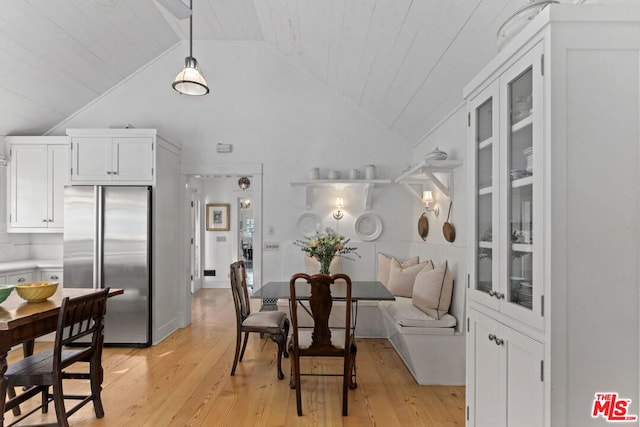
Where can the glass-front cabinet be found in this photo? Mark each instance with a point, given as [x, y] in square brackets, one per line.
[505, 122]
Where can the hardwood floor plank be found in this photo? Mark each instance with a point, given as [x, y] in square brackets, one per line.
[185, 381]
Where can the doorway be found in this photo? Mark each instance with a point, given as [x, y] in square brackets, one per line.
[245, 235]
[219, 183]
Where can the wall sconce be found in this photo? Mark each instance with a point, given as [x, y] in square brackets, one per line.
[427, 199]
[338, 214]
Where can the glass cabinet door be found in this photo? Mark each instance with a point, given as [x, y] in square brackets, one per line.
[520, 186]
[505, 137]
[521, 91]
[483, 123]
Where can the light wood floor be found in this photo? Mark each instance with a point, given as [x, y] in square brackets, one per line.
[185, 381]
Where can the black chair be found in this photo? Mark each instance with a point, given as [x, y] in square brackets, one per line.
[319, 339]
[80, 322]
[272, 323]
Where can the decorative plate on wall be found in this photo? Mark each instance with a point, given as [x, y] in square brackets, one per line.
[368, 227]
[308, 224]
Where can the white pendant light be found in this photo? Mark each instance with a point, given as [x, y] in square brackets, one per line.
[190, 80]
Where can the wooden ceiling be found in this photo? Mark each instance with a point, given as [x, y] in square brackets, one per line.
[403, 61]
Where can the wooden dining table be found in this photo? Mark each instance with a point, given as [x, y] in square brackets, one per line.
[21, 322]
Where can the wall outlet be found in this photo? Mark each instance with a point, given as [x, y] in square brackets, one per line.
[271, 246]
[209, 272]
[221, 238]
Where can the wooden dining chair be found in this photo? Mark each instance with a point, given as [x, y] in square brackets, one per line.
[272, 323]
[80, 322]
[320, 339]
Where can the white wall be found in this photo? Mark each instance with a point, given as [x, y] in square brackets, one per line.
[450, 136]
[276, 115]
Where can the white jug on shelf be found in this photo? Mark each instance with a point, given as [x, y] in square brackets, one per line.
[370, 172]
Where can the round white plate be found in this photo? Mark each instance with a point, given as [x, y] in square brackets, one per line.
[308, 224]
[368, 227]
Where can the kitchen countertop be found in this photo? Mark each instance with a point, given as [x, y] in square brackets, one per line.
[29, 264]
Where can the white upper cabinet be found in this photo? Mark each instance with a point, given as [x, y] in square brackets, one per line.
[505, 133]
[115, 156]
[38, 172]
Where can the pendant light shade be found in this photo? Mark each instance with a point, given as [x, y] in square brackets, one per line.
[190, 80]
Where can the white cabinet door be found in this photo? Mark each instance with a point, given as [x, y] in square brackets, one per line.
[91, 159]
[133, 158]
[58, 162]
[107, 159]
[38, 174]
[521, 113]
[20, 277]
[485, 374]
[504, 375]
[28, 188]
[524, 391]
[484, 151]
[51, 275]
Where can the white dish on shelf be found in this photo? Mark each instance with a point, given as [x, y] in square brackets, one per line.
[519, 173]
[308, 224]
[368, 227]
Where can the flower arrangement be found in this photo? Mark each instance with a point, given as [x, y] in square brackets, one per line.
[324, 246]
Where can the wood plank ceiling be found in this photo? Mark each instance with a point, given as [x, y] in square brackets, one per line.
[403, 61]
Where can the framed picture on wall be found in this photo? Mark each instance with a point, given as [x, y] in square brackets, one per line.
[217, 216]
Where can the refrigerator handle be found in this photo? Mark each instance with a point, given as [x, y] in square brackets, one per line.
[98, 241]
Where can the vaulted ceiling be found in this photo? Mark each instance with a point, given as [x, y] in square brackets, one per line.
[403, 61]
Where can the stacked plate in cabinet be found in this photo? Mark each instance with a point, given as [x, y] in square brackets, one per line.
[525, 294]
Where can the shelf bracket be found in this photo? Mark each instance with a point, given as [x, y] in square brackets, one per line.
[447, 191]
[368, 196]
[412, 190]
[307, 197]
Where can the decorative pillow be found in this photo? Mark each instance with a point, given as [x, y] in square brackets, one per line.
[384, 266]
[401, 279]
[312, 265]
[432, 291]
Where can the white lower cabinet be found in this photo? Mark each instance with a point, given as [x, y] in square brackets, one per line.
[50, 275]
[20, 277]
[504, 375]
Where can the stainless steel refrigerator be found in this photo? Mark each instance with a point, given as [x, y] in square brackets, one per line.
[107, 243]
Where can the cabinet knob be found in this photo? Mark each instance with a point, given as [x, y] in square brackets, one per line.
[22, 279]
[54, 277]
[45, 220]
[498, 341]
[499, 295]
[109, 172]
[492, 293]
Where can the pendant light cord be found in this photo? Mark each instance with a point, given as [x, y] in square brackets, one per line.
[191, 29]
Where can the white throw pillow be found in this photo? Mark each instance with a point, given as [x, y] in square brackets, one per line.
[384, 266]
[401, 279]
[432, 291]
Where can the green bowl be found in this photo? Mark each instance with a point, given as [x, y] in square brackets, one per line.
[5, 291]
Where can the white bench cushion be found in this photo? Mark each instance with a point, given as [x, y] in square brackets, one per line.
[405, 313]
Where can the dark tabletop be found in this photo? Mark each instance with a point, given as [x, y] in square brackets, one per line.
[360, 291]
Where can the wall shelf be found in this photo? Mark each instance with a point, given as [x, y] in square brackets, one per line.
[339, 184]
[425, 171]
